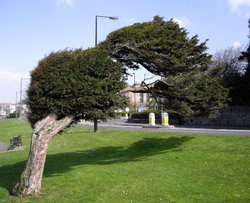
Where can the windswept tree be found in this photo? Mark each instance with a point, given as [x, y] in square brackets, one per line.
[66, 86]
[165, 49]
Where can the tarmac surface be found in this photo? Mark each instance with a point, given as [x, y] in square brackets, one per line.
[3, 147]
[123, 125]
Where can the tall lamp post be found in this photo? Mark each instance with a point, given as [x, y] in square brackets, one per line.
[98, 16]
[16, 103]
[21, 92]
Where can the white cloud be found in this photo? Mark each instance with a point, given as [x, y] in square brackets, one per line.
[65, 2]
[236, 45]
[183, 22]
[10, 83]
[10, 74]
[69, 2]
[236, 4]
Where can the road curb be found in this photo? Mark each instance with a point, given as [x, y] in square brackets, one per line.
[158, 126]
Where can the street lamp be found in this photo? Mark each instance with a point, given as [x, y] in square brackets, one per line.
[98, 16]
[21, 92]
[16, 103]
[111, 18]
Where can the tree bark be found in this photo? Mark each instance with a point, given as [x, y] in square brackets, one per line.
[44, 130]
[95, 125]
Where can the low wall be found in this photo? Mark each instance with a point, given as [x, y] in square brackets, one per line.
[232, 116]
[142, 121]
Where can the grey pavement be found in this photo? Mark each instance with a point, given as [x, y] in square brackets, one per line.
[123, 125]
[3, 147]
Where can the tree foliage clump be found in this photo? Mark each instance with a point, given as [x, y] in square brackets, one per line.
[230, 70]
[245, 84]
[78, 83]
[192, 95]
[162, 47]
[165, 49]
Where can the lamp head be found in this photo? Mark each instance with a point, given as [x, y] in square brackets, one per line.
[113, 17]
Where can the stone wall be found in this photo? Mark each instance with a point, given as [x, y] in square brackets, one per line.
[232, 116]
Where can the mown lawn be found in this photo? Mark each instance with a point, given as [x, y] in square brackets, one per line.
[114, 166]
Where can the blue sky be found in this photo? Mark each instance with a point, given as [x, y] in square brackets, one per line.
[30, 29]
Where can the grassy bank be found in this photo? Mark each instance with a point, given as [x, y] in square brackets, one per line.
[122, 166]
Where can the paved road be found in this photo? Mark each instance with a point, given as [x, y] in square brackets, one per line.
[121, 124]
[3, 147]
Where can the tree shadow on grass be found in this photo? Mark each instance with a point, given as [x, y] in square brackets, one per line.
[60, 163]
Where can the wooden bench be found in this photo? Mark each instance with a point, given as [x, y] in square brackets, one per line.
[15, 142]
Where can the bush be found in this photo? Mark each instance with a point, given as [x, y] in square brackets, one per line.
[145, 115]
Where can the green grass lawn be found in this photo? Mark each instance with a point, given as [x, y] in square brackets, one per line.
[114, 166]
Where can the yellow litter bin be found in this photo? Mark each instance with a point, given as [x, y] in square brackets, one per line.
[164, 119]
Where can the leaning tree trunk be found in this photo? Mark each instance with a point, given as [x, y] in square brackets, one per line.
[44, 130]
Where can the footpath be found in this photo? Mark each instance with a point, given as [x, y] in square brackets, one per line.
[3, 147]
